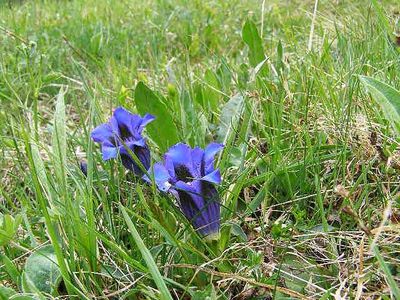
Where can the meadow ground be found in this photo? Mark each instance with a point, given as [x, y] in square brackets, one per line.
[310, 190]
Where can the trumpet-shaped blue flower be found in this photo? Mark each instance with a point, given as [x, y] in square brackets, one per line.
[124, 130]
[83, 167]
[189, 175]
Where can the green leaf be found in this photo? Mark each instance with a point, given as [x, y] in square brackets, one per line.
[238, 231]
[387, 97]
[230, 116]
[211, 88]
[40, 171]
[253, 40]
[112, 272]
[299, 279]
[383, 21]
[8, 228]
[207, 293]
[162, 130]
[257, 200]
[59, 138]
[151, 264]
[6, 293]
[41, 272]
[188, 115]
[10, 268]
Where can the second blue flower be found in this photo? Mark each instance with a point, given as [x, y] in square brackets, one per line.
[123, 132]
[189, 175]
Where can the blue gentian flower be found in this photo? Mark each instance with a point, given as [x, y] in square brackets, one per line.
[189, 175]
[124, 130]
[83, 167]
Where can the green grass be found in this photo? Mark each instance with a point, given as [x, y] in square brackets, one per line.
[310, 190]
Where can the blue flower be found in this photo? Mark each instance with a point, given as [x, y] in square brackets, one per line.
[83, 167]
[189, 175]
[124, 130]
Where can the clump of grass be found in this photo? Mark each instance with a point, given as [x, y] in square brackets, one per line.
[310, 165]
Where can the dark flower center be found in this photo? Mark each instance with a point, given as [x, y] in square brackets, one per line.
[183, 173]
[124, 132]
[114, 140]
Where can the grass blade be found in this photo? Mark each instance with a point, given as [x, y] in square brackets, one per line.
[155, 273]
[389, 277]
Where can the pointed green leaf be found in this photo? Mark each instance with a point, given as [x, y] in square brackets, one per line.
[211, 88]
[162, 130]
[387, 97]
[24, 297]
[8, 228]
[230, 117]
[10, 268]
[60, 137]
[253, 40]
[40, 170]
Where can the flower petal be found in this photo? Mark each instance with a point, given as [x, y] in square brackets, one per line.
[161, 177]
[109, 152]
[122, 115]
[179, 153]
[169, 166]
[102, 133]
[213, 177]
[199, 202]
[126, 122]
[146, 120]
[209, 153]
[114, 126]
[127, 125]
[197, 156]
[84, 167]
[180, 156]
[183, 186]
[142, 154]
[131, 144]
